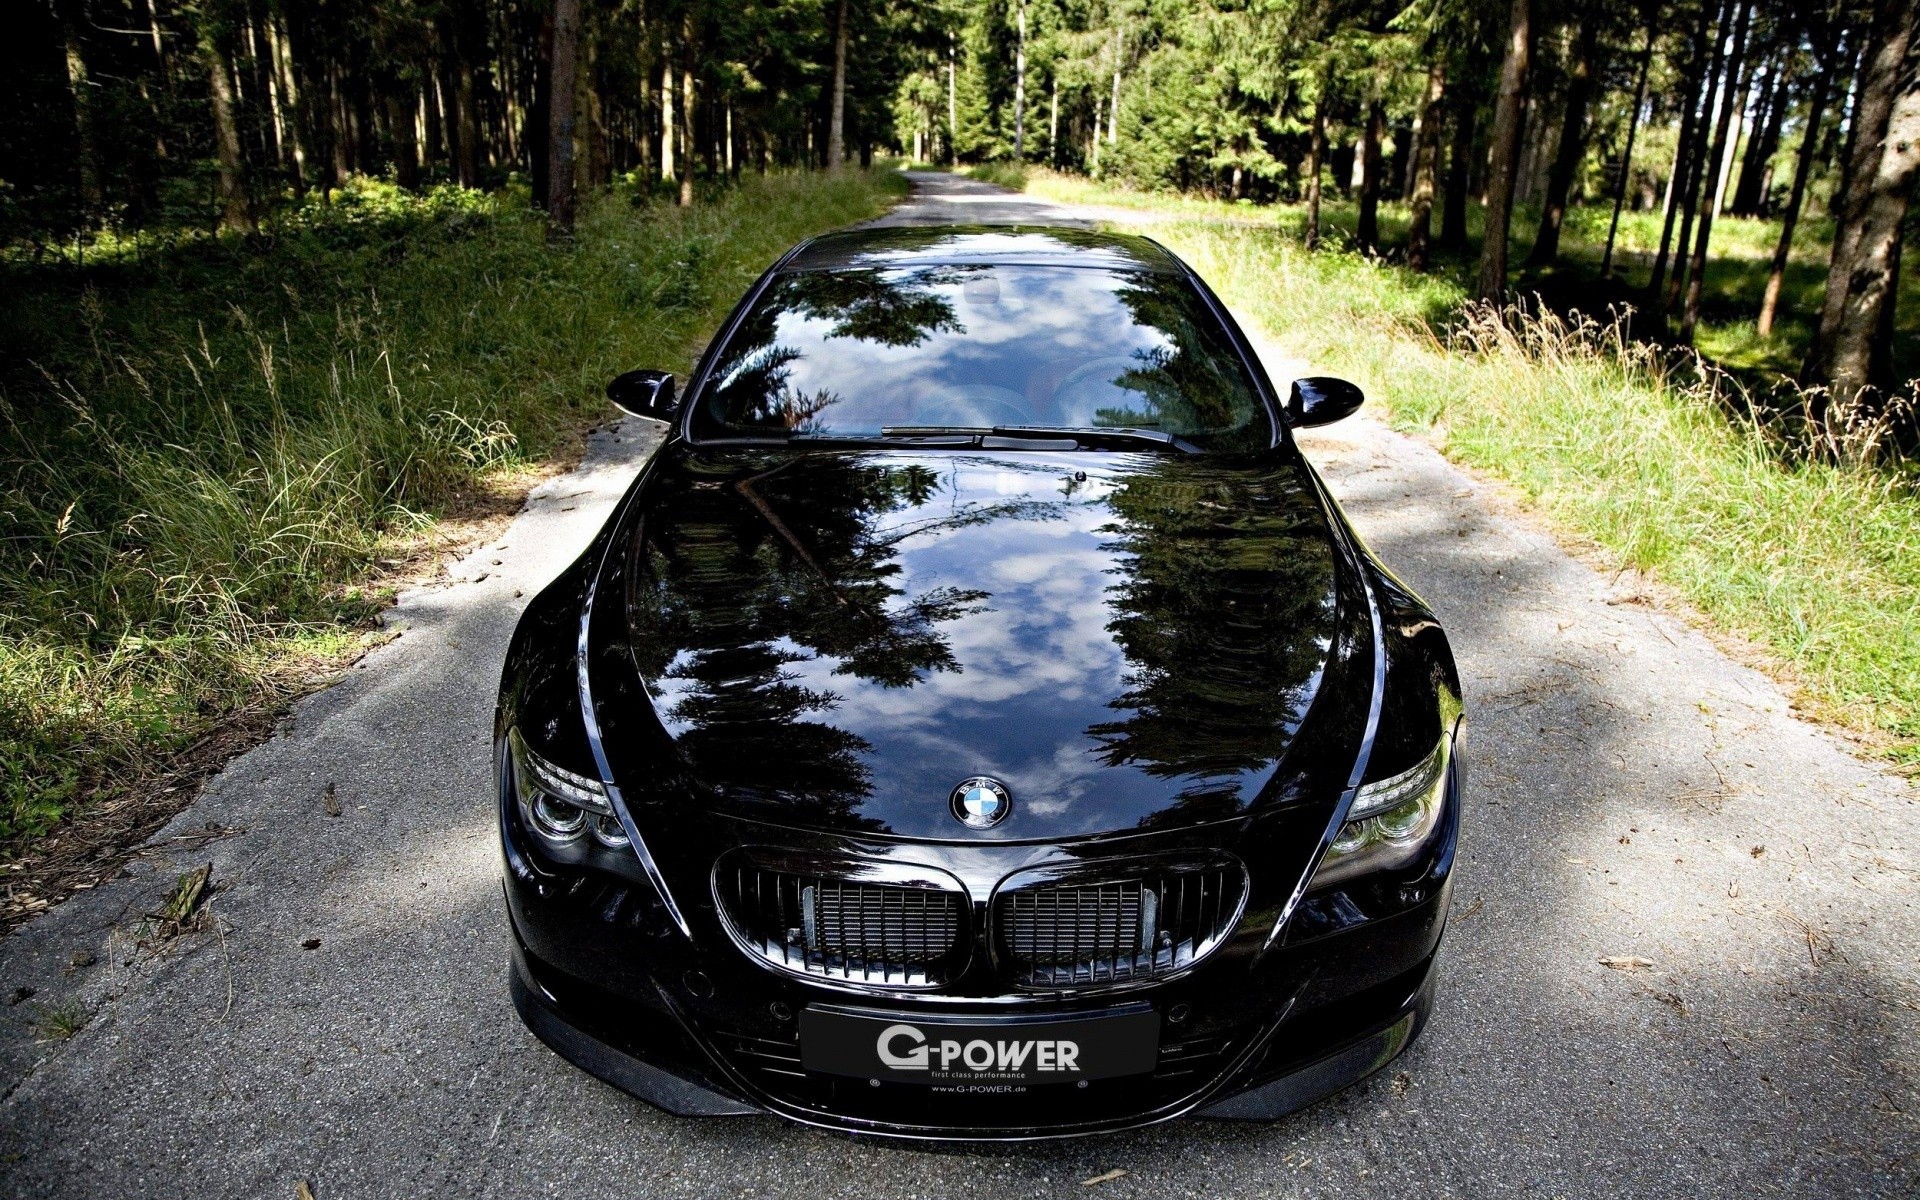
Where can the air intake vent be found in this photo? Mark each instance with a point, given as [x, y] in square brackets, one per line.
[837, 922]
[1087, 930]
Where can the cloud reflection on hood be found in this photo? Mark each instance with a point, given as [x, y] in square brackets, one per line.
[836, 639]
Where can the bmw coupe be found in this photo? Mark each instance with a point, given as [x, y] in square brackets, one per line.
[977, 720]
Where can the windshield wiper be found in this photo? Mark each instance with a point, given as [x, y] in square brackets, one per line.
[1101, 437]
[934, 435]
[1038, 437]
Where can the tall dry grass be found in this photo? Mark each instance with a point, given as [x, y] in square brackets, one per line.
[202, 450]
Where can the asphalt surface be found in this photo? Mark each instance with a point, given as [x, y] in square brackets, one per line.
[1634, 793]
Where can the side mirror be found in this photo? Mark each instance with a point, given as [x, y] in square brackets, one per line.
[644, 394]
[1321, 399]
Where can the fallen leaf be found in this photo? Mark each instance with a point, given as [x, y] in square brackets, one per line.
[332, 801]
[310, 944]
[1626, 962]
[1109, 1177]
[1757, 851]
[301, 1191]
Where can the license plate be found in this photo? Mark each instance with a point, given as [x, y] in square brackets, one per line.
[949, 1051]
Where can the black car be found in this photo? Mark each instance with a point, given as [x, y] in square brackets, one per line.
[977, 720]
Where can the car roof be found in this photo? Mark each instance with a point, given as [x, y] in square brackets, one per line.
[1008, 245]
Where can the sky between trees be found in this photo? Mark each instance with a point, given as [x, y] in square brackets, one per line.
[140, 114]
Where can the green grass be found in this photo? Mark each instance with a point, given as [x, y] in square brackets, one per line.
[1818, 561]
[60, 1022]
[205, 444]
[1005, 174]
[1736, 275]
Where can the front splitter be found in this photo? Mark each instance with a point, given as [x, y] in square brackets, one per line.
[1299, 1087]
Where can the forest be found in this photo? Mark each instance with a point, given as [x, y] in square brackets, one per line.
[291, 285]
[1480, 121]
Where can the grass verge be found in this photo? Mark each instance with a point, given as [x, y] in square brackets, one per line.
[1004, 174]
[1817, 562]
[209, 450]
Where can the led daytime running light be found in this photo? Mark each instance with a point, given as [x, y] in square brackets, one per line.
[1395, 790]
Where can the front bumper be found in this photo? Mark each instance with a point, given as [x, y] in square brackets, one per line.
[667, 1064]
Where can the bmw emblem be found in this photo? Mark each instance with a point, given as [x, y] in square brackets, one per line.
[981, 803]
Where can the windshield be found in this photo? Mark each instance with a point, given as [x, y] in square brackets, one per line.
[859, 352]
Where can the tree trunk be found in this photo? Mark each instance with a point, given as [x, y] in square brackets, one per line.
[1740, 72]
[561, 102]
[1397, 176]
[80, 91]
[273, 133]
[590, 144]
[235, 211]
[666, 119]
[686, 113]
[162, 68]
[1020, 88]
[466, 125]
[1113, 109]
[1492, 284]
[1850, 114]
[1698, 161]
[1573, 143]
[1316, 151]
[1053, 123]
[433, 102]
[1093, 143]
[836, 126]
[538, 136]
[1626, 156]
[1453, 218]
[366, 123]
[1367, 233]
[1698, 79]
[1731, 102]
[953, 107]
[338, 148]
[400, 103]
[1426, 156]
[1850, 353]
[299, 138]
[1796, 196]
[1749, 196]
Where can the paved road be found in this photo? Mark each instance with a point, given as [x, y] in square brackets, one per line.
[1625, 777]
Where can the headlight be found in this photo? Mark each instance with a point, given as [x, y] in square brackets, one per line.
[1390, 820]
[560, 806]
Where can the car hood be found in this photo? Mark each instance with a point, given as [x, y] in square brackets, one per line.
[834, 640]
